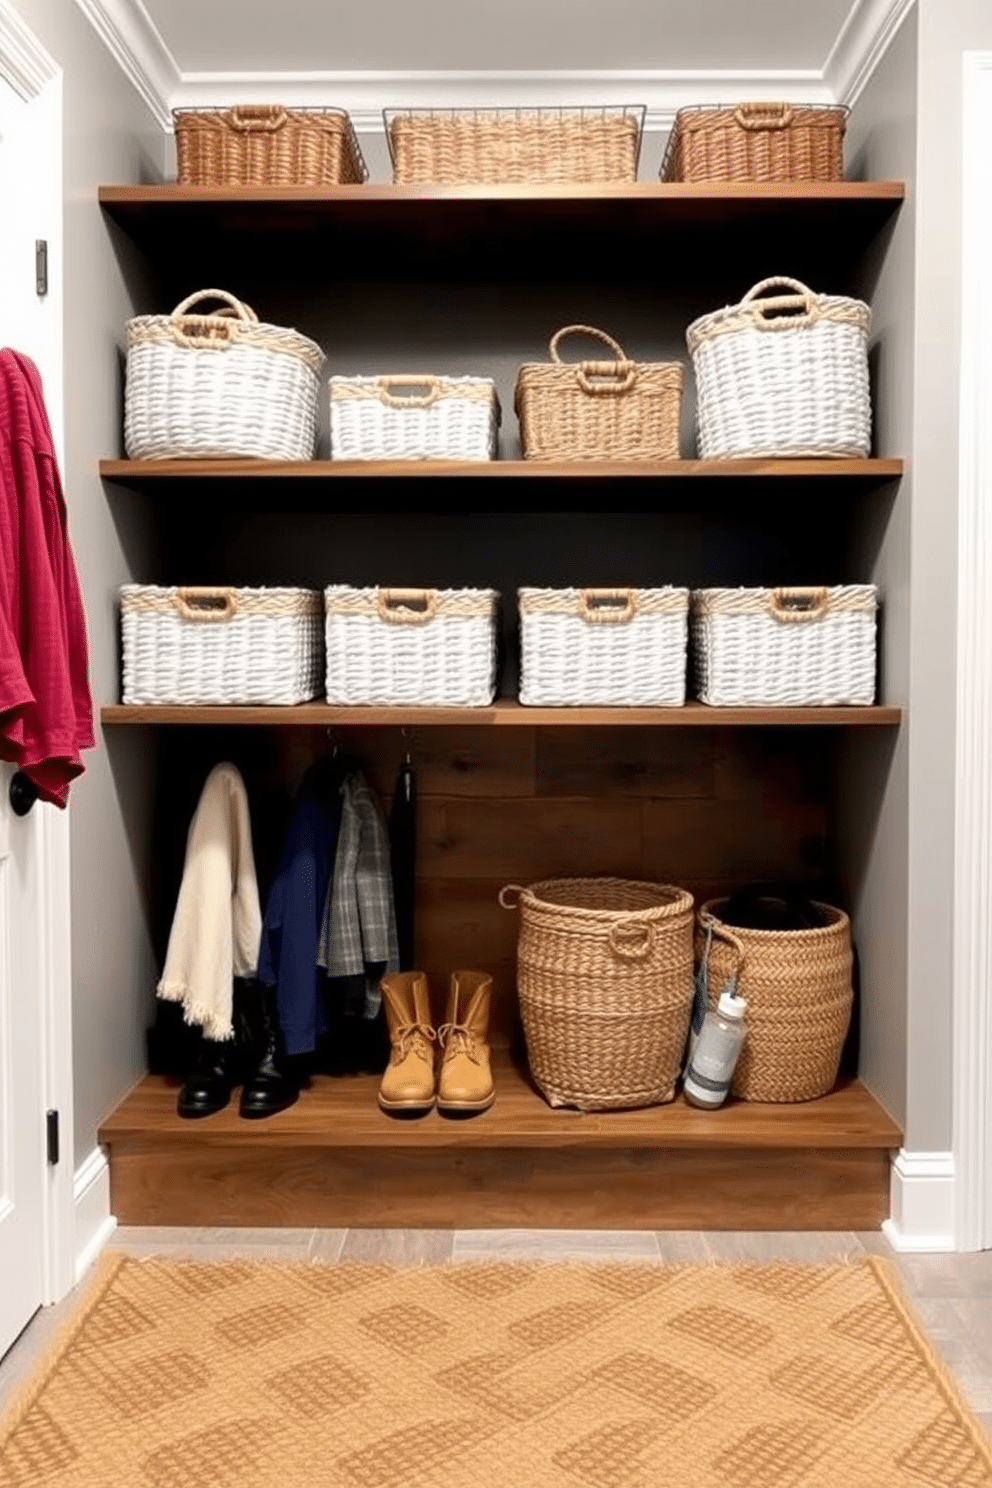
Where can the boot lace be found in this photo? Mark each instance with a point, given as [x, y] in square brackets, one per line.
[455, 1038]
[417, 1037]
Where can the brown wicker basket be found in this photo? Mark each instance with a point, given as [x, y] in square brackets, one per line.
[266, 145]
[616, 410]
[491, 147]
[604, 972]
[799, 995]
[757, 142]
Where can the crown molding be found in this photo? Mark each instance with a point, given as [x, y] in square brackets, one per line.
[864, 39]
[24, 62]
[133, 40]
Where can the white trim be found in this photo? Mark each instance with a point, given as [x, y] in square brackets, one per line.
[972, 972]
[24, 62]
[133, 40]
[864, 39]
[91, 1197]
[58, 1224]
[922, 1202]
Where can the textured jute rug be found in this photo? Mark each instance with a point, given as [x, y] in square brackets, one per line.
[263, 1375]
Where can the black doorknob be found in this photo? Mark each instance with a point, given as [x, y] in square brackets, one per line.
[23, 793]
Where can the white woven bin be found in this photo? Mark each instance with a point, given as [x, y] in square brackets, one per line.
[785, 375]
[603, 647]
[785, 647]
[422, 647]
[198, 645]
[407, 417]
[219, 385]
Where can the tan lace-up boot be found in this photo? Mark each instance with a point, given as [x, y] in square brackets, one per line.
[408, 1084]
[465, 1080]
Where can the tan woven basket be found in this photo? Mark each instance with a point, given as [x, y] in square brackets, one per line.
[604, 973]
[267, 145]
[615, 410]
[799, 995]
[757, 142]
[492, 147]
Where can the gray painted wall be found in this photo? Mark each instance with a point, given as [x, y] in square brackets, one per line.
[109, 136]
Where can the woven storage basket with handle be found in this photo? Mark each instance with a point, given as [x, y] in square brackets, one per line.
[757, 142]
[219, 385]
[604, 971]
[410, 417]
[263, 144]
[785, 647]
[785, 374]
[601, 410]
[466, 147]
[603, 647]
[799, 996]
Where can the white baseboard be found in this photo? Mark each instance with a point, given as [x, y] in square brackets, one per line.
[922, 1209]
[94, 1223]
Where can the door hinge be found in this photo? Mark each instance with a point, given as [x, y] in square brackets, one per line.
[52, 1133]
[41, 266]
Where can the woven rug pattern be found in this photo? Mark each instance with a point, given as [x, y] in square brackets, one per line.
[182, 1374]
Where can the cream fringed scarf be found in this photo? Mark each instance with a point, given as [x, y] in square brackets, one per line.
[218, 923]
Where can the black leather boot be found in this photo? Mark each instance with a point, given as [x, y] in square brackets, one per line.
[271, 1083]
[217, 1067]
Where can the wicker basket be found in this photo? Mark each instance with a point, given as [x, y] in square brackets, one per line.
[785, 647]
[787, 375]
[418, 647]
[492, 147]
[263, 144]
[225, 384]
[799, 996]
[221, 645]
[615, 410]
[603, 647]
[757, 142]
[604, 971]
[408, 417]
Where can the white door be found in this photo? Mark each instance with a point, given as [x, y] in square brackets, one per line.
[30, 189]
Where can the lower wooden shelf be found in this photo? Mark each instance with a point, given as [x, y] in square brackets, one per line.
[334, 1159]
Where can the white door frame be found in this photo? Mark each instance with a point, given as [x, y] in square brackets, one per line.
[972, 886]
[29, 69]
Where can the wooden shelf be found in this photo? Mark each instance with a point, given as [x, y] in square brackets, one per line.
[505, 713]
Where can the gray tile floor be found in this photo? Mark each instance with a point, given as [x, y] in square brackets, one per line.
[950, 1294]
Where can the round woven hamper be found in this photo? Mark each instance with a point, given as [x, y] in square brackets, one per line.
[799, 994]
[604, 971]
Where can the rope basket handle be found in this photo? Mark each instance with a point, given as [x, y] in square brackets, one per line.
[199, 604]
[802, 300]
[597, 378]
[233, 306]
[424, 400]
[216, 330]
[607, 606]
[720, 931]
[584, 330]
[796, 606]
[255, 118]
[406, 606]
[619, 938]
[763, 115]
[510, 889]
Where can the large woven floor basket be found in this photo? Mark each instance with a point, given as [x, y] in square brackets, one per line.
[219, 385]
[264, 144]
[598, 410]
[757, 142]
[799, 996]
[604, 971]
[491, 147]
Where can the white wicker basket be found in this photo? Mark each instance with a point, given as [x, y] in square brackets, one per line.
[785, 647]
[786, 375]
[603, 647]
[220, 385]
[422, 647]
[407, 417]
[221, 645]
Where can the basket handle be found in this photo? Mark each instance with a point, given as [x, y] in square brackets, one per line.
[763, 115]
[710, 923]
[585, 330]
[406, 606]
[233, 306]
[621, 944]
[431, 393]
[510, 889]
[206, 604]
[801, 304]
[215, 331]
[255, 118]
[607, 606]
[612, 378]
[796, 606]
